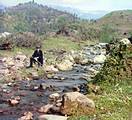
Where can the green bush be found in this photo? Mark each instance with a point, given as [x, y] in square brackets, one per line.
[25, 39]
[107, 34]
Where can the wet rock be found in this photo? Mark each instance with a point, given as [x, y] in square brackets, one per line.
[52, 117]
[75, 89]
[55, 109]
[44, 86]
[73, 101]
[54, 96]
[46, 108]
[50, 76]
[99, 59]
[34, 87]
[27, 116]
[13, 102]
[10, 84]
[65, 65]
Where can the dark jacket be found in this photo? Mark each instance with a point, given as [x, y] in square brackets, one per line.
[38, 54]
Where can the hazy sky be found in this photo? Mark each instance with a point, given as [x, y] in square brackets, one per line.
[85, 5]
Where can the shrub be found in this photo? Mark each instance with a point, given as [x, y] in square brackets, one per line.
[25, 39]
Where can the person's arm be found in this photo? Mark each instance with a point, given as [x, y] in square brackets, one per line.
[41, 54]
[34, 54]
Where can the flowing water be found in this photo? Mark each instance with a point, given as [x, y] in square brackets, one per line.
[34, 94]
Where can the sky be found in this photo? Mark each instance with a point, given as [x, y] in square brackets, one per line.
[84, 5]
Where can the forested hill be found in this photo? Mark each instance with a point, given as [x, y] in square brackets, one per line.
[33, 17]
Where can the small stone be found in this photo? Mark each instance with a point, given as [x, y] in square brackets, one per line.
[13, 102]
[9, 84]
[46, 108]
[27, 116]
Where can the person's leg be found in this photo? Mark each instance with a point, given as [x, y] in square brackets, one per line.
[40, 62]
[31, 62]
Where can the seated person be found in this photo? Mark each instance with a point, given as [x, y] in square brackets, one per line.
[37, 57]
[130, 39]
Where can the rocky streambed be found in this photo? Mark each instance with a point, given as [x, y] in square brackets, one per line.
[47, 95]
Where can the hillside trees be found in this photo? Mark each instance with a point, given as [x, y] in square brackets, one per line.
[107, 34]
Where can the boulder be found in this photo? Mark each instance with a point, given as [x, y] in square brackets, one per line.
[27, 116]
[19, 64]
[13, 102]
[69, 57]
[51, 69]
[4, 71]
[65, 65]
[125, 41]
[46, 108]
[10, 62]
[54, 96]
[52, 117]
[20, 57]
[75, 102]
[99, 59]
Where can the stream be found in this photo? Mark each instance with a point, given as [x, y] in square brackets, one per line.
[35, 93]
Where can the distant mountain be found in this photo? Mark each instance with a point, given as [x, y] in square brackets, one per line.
[2, 7]
[81, 14]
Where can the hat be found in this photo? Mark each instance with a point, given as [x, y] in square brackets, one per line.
[37, 47]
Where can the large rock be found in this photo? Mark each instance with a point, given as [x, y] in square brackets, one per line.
[75, 102]
[54, 96]
[20, 57]
[50, 68]
[46, 108]
[27, 116]
[20, 60]
[99, 59]
[70, 57]
[52, 117]
[10, 61]
[125, 41]
[65, 65]
[4, 71]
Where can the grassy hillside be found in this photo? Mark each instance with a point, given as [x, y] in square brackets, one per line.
[121, 20]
